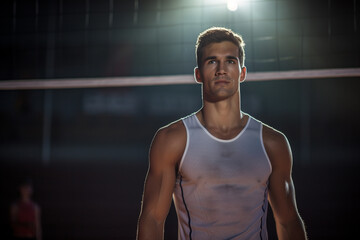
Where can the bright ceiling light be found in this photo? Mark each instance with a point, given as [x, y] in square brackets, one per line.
[232, 5]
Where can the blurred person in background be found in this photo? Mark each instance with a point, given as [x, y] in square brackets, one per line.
[25, 215]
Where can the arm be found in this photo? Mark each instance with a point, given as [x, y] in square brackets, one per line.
[13, 216]
[165, 152]
[289, 224]
[38, 223]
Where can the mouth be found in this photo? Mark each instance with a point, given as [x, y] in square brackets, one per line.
[221, 81]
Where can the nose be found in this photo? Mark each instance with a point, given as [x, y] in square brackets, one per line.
[221, 69]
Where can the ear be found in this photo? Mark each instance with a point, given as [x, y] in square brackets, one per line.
[197, 75]
[243, 74]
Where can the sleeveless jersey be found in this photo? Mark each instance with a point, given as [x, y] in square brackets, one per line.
[25, 225]
[221, 187]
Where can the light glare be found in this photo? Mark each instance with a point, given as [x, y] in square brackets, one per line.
[232, 5]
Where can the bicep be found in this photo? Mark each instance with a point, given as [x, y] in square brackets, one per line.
[282, 198]
[13, 212]
[38, 214]
[158, 192]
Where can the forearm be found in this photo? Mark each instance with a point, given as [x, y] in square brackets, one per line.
[294, 230]
[38, 224]
[38, 233]
[150, 229]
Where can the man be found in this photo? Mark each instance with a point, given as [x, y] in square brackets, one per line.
[25, 215]
[220, 164]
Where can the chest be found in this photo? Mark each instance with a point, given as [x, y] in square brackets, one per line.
[209, 161]
[26, 213]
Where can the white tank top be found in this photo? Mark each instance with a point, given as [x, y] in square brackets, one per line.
[221, 187]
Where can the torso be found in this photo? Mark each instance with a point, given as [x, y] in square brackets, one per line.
[214, 174]
[25, 225]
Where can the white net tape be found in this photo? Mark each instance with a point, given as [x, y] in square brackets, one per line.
[168, 80]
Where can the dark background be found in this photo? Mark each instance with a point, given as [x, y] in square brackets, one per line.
[86, 149]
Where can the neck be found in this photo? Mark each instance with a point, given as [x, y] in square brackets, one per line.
[26, 199]
[223, 114]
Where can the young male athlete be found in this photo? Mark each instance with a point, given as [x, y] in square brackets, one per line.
[220, 165]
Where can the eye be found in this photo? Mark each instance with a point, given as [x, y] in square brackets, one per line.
[211, 62]
[231, 61]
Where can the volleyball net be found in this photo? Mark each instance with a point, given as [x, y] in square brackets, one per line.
[168, 79]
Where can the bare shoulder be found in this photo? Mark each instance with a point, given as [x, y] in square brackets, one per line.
[174, 132]
[37, 207]
[13, 206]
[169, 142]
[276, 145]
[273, 136]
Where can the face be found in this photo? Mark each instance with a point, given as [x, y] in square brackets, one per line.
[26, 191]
[220, 71]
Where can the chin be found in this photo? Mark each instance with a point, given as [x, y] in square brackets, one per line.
[217, 97]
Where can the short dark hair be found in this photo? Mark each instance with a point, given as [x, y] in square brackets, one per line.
[27, 181]
[216, 35]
